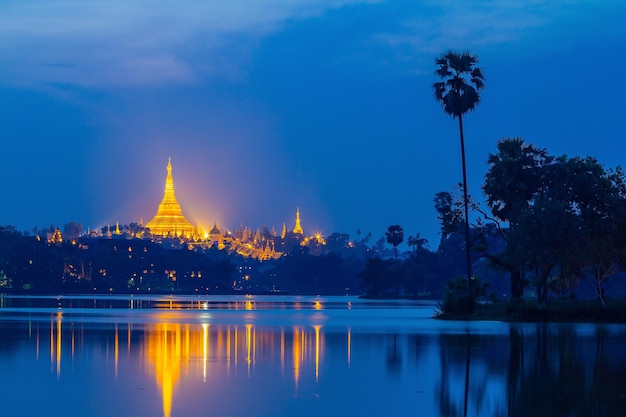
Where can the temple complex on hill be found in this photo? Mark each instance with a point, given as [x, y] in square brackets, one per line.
[169, 219]
[169, 222]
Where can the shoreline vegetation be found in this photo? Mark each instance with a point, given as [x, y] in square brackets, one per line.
[551, 311]
[530, 310]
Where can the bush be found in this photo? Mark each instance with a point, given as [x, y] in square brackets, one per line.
[457, 303]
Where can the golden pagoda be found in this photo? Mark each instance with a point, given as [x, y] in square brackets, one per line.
[298, 228]
[169, 219]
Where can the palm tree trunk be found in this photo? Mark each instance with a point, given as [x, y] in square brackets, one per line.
[466, 206]
[467, 376]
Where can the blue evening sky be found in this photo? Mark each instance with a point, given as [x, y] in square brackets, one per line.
[269, 105]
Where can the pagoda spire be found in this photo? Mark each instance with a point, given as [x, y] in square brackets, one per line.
[169, 182]
[298, 228]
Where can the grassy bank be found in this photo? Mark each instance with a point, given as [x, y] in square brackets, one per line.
[584, 311]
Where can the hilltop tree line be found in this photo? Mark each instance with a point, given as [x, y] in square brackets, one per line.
[549, 224]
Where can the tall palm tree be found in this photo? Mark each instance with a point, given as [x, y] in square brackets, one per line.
[395, 236]
[458, 94]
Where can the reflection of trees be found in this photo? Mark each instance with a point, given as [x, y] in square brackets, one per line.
[549, 370]
[402, 350]
[10, 336]
[394, 356]
[562, 377]
[447, 407]
[607, 396]
[553, 377]
[470, 375]
[417, 344]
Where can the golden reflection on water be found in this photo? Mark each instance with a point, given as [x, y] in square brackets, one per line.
[171, 350]
[317, 352]
[297, 348]
[58, 349]
[117, 349]
[55, 343]
[349, 349]
[162, 350]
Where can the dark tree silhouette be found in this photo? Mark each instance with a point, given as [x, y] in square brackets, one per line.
[395, 236]
[449, 214]
[458, 93]
[516, 174]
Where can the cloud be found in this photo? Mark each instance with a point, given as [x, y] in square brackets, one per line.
[437, 26]
[131, 42]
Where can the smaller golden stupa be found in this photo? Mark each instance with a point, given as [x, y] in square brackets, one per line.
[169, 219]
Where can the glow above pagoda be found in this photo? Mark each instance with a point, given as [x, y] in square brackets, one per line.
[169, 219]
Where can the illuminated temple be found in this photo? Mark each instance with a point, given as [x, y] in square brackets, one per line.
[169, 219]
[169, 222]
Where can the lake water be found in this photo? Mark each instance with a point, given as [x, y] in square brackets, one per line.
[296, 356]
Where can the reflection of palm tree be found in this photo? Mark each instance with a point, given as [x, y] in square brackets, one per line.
[516, 364]
[448, 354]
[467, 374]
[458, 93]
[394, 357]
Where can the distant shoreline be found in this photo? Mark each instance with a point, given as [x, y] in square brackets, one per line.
[38, 293]
[553, 311]
[510, 311]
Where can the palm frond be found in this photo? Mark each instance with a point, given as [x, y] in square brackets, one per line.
[456, 83]
[469, 99]
[439, 88]
[478, 83]
[477, 73]
[443, 71]
[458, 90]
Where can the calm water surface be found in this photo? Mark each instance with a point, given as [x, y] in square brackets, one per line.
[295, 356]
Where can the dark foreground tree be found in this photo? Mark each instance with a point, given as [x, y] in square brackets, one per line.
[516, 174]
[450, 216]
[395, 236]
[566, 218]
[458, 94]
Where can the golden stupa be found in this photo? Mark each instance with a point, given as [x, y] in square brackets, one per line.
[298, 227]
[169, 219]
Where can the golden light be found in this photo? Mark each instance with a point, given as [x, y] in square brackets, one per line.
[349, 345]
[173, 351]
[169, 219]
[248, 345]
[297, 351]
[58, 345]
[160, 351]
[317, 352]
[117, 350]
